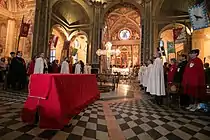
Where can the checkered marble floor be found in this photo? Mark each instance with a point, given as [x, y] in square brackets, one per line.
[90, 124]
[143, 120]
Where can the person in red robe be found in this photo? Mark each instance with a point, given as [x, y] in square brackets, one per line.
[194, 79]
[172, 70]
[31, 66]
[55, 67]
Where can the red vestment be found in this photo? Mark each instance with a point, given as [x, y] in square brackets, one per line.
[171, 73]
[31, 68]
[55, 68]
[70, 68]
[194, 79]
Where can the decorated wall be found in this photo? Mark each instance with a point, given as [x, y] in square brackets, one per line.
[123, 31]
[11, 14]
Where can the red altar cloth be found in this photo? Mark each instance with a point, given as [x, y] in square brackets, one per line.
[58, 97]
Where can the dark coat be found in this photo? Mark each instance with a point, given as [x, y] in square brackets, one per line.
[207, 76]
[180, 71]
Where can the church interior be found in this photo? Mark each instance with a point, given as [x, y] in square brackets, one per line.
[114, 38]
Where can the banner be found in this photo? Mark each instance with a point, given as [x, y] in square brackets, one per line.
[24, 28]
[74, 51]
[179, 35]
[170, 47]
[53, 41]
[199, 16]
[66, 45]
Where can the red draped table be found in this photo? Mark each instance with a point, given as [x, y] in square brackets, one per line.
[58, 97]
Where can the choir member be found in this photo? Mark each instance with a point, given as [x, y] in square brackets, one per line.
[194, 79]
[156, 84]
[65, 66]
[172, 71]
[39, 64]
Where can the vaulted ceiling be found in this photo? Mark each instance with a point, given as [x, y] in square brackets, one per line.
[178, 7]
[70, 12]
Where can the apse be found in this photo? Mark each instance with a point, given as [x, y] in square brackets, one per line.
[123, 29]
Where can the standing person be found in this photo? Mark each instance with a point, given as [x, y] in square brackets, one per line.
[184, 100]
[172, 71]
[18, 65]
[65, 66]
[31, 67]
[10, 76]
[55, 67]
[207, 73]
[147, 73]
[141, 73]
[87, 69]
[180, 69]
[82, 67]
[39, 64]
[77, 68]
[194, 79]
[49, 65]
[157, 85]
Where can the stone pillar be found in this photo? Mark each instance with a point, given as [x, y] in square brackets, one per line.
[41, 27]
[10, 38]
[151, 39]
[96, 33]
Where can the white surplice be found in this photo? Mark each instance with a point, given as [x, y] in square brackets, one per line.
[78, 69]
[146, 75]
[87, 69]
[141, 73]
[39, 66]
[65, 67]
[156, 85]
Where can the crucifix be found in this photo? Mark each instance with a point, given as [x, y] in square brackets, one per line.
[108, 52]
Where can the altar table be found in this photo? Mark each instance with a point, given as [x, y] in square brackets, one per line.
[58, 97]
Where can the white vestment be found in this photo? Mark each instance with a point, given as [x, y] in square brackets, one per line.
[146, 75]
[156, 85]
[87, 69]
[141, 73]
[78, 69]
[39, 66]
[65, 67]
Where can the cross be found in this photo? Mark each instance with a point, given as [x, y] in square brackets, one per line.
[108, 52]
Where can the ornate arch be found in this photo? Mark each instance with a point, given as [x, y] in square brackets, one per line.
[110, 7]
[61, 30]
[170, 26]
[77, 33]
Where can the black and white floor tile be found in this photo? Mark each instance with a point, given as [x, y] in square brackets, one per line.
[90, 124]
[143, 120]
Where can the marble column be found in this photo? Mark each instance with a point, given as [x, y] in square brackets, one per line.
[41, 27]
[10, 38]
[96, 33]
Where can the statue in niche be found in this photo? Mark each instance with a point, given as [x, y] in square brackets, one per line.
[3, 3]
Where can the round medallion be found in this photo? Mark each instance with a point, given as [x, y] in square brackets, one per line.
[125, 34]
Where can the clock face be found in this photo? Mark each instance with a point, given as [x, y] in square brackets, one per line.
[124, 34]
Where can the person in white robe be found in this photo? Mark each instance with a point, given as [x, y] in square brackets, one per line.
[147, 72]
[40, 64]
[141, 73]
[78, 68]
[65, 66]
[87, 69]
[156, 84]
